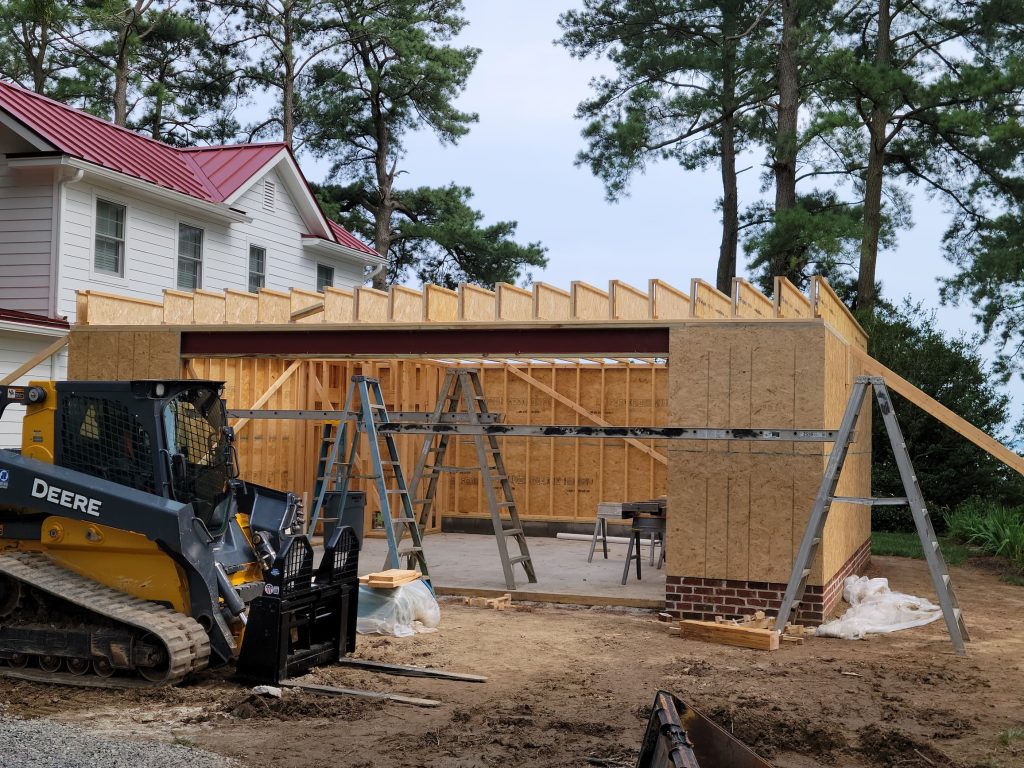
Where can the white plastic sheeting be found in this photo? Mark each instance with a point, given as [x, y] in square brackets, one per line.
[875, 609]
[402, 611]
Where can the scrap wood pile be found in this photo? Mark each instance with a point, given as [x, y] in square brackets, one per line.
[755, 631]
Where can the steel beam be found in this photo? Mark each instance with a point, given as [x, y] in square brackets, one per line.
[309, 341]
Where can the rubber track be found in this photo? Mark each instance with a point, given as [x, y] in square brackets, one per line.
[186, 642]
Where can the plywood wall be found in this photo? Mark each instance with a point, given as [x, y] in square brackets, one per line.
[739, 510]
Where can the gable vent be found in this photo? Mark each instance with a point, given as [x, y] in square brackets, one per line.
[269, 194]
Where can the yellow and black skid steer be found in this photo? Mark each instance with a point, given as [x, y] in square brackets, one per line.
[131, 554]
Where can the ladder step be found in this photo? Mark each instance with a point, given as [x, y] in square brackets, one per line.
[409, 551]
[519, 559]
[402, 520]
[513, 531]
[396, 491]
[506, 504]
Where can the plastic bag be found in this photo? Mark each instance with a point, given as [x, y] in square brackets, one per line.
[875, 609]
[402, 611]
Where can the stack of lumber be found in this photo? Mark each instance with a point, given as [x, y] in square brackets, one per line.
[753, 632]
[495, 603]
[395, 577]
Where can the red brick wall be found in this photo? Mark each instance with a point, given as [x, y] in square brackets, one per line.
[690, 597]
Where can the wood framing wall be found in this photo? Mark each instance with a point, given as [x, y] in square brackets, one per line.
[737, 510]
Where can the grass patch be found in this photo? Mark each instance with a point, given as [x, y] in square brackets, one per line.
[996, 529]
[909, 545]
[1006, 738]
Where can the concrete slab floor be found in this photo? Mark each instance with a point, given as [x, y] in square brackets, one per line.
[465, 561]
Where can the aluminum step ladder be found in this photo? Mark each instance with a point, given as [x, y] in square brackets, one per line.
[339, 456]
[462, 401]
[914, 499]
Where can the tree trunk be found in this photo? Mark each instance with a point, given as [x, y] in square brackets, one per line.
[875, 171]
[730, 196]
[121, 74]
[385, 181]
[288, 85]
[786, 136]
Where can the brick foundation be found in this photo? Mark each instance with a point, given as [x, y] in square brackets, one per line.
[694, 597]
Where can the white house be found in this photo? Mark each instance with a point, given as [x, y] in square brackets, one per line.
[87, 204]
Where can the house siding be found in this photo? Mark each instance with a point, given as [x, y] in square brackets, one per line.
[26, 243]
[15, 349]
[151, 246]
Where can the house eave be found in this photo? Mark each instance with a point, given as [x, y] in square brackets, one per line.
[327, 248]
[220, 212]
[7, 326]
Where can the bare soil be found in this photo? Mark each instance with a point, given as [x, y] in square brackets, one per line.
[572, 686]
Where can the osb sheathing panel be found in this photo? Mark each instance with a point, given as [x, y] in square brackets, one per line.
[123, 355]
[848, 525]
[738, 510]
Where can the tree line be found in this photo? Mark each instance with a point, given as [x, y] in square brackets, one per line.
[349, 81]
[854, 104]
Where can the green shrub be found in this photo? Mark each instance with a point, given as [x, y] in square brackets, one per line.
[991, 527]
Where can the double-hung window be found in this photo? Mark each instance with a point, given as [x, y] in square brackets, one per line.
[257, 267]
[109, 256]
[190, 257]
[324, 277]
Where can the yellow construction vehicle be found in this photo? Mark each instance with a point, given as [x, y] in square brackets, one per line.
[131, 551]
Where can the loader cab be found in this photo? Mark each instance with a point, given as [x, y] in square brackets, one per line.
[168, 438]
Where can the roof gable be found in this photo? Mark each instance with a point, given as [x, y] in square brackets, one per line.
[216, 174]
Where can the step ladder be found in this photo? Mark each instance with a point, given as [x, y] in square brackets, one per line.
[914, 499]
[339, 458]
[462, 401]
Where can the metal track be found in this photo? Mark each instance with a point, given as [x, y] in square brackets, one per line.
[185, 641]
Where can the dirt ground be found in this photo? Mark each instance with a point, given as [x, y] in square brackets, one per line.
[572, 686]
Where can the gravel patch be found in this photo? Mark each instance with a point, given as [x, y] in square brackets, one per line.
[46, 744]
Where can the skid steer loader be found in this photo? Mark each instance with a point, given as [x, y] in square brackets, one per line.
[131, 554]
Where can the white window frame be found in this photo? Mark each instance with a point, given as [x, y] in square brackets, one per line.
[100, 275]
[177, 256]
[319, 288]
[248, 265]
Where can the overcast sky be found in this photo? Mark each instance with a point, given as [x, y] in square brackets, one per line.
[519, 162]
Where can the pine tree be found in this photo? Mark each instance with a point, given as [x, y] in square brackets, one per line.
[691, 85]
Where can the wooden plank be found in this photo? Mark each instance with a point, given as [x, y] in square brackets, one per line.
[207, 307]
[441, 305]
[33, 361]
[305, 306]
[934, 408]
[407, 671]
[707, 302]
[339, 306]
[514, 303]
[177, 307]
[790, 301]
[405, 305]
[371, 305]
[240, 307]
[109, 309]
[730, 634]
[393, 577]
[749, 302]
[627, 302]
[588, 302]
[553, 597]
[533, 382]
[329, 690]
[271, 391]
[476, 303]
[551, 303]
[273, 307]
[829, 307]
[667, 301]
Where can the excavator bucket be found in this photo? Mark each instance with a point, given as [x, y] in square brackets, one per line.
[304, 618]
[679, 736]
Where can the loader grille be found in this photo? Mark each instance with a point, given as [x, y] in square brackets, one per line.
[344, 558]
[298, 567]
[104, 439]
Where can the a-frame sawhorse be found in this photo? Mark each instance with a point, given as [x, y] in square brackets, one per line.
[914, 499]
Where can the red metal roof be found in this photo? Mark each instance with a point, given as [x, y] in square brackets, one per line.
[211, 174]
[228, 167]
[346, 238]
[28, 318]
